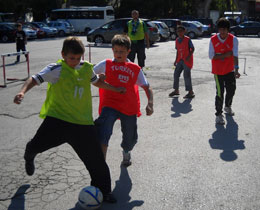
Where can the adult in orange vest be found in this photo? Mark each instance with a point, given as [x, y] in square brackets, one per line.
[183, 62]
[223, 52]
[120, 72]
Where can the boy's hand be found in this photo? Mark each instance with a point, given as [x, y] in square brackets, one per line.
[102, 77]
[149, 109]
[237, 75]
[18, 98]
[121, 90]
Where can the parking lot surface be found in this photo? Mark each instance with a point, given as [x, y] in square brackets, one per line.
[182, 160]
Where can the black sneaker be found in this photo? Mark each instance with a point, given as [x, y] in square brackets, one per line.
[29, 164]
[174, 93]
[189, 95]
[109, 198]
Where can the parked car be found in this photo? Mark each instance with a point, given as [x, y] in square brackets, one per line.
[192, 30]
[208, 22]
[163, 29]
[63, 27]
[29, 32]
[246, 28]
[172, 25]
[106, 32]
[205, 28]
[48, 31]
[7, 32]
[39, 32]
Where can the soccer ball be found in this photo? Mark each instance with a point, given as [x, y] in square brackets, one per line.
[90, 197]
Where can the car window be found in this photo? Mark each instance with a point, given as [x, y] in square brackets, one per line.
[106, 26]
[163, 25]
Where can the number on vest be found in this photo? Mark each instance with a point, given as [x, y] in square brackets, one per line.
[78, 91]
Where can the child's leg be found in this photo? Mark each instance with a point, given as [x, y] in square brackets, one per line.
[18, 56]
[85, 143]
[187, 78]
[230, 84]
[129, 130]
[105, 123]
[50, 134]
[176, 75]
[219, 94]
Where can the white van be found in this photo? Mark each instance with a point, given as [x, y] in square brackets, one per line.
[84, 19]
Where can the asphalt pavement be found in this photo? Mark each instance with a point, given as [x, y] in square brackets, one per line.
[182, 160]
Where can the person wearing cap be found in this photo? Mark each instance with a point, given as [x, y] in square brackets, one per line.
[223, 52]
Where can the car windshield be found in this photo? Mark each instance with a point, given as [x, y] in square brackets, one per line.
[42, 24]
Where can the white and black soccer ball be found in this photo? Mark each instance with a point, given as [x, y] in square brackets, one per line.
[90, 198]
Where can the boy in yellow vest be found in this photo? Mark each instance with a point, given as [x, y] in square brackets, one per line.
[67, 113]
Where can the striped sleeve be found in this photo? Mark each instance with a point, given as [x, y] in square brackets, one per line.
[50, 73]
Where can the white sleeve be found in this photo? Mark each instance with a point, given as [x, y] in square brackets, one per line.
[211, 50]
[100, 68]
[50, 73]
[235, 47]
[94, 78]
[141, 79]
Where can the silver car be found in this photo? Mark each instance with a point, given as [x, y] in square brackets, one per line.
[164, 31]
[192, 30]
[63, 27]
[105, 33]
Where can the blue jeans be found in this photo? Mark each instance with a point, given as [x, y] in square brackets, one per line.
[187, 76]
[105, 123]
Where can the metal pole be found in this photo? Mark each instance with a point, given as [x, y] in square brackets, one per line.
[4, 72]
[89, 53]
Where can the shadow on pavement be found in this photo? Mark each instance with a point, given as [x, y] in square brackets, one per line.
[226, 139]
[180, 108]
[17, 202]
[121, 192]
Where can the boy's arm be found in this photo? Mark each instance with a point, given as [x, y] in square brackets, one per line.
[102, 84]
[30, 83]
[149, 94]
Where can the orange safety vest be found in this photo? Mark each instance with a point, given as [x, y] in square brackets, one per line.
[226, 65]
[121, 75]
[183, 51]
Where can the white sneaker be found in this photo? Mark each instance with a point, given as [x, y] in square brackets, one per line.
[220, 120]
[126, 159]
[229, 111]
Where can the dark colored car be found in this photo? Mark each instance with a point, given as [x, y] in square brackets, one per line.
[246, 28]
[7, 32]
[105, 33]
[172, 25]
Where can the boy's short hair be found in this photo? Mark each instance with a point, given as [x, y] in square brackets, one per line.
[73, 45]
[223, 23]
[181, 27]
[121, 40]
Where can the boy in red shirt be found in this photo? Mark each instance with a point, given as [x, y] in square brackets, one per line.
[183, 61]
[121, 72]
[223, 52]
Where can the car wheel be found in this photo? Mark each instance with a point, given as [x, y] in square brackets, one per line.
[258, 34]
[173, 36]
[192, 35]
[61, 33]
[99, 40]
[4, 38]
[233, 32]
